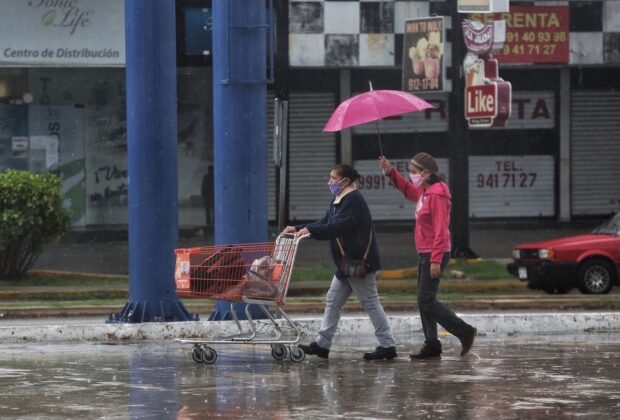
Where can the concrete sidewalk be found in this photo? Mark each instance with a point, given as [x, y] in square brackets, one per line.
[506, 323]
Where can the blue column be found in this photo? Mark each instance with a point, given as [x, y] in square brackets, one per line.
[152, 162]
[239, 122]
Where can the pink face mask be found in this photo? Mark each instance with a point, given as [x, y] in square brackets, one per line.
[417, 179]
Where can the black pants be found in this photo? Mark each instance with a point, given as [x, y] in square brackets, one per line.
[433, 312]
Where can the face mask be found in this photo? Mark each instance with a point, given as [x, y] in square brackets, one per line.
[417, 179]
[335, 188]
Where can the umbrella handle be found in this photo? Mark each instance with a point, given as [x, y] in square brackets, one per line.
[379, 136]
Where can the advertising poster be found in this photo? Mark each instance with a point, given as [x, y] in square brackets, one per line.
[534, 34]
[424, 67]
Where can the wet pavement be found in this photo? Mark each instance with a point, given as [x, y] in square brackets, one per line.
[533, 376]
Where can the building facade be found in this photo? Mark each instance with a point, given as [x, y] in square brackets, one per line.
[62, 107]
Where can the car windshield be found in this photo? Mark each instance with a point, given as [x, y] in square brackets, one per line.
[610, 227]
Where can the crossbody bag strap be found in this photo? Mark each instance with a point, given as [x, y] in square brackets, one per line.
[367, 247]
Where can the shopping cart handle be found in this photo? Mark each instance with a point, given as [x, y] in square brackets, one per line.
[287, 234]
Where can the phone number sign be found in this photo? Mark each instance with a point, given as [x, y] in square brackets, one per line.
[534, 34]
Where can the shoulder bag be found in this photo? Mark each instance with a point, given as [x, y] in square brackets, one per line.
[350, 267]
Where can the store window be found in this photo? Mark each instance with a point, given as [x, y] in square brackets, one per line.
[194, 32]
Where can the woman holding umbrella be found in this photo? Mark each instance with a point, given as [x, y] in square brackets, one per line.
[432, 238]
[347, 224]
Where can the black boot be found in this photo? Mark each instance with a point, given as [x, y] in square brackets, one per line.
[314, 349]
[427, 351]
[467, 341]
[381, 353]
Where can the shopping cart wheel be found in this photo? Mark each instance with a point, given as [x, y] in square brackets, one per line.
[209, 356]
[278, 351]
[197, 354]
[297, 354]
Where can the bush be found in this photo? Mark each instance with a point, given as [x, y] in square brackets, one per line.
[31, 214]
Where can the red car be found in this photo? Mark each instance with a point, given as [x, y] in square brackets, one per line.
[589, 262]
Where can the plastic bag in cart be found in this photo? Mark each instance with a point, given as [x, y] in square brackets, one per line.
[263, 278]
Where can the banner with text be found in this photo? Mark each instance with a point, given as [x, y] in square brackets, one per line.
[534, 34]
[69, 32]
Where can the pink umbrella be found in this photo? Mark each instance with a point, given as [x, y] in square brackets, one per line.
[373, 106]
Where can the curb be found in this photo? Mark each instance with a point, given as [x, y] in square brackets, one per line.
[487, 324]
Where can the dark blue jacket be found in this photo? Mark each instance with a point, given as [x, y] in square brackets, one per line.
[349, 220]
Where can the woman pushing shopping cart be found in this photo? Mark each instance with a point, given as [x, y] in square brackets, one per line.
[257, 273]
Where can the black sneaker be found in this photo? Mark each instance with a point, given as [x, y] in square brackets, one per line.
[468, 341]
[314, 349]
[381, 353]
[426, 352]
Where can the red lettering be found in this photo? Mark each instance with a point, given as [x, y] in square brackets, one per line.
[521, 107]
[540, 110]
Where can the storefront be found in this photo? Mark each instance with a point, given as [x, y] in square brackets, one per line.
[62, 108]
[62, 103]
[560, 127]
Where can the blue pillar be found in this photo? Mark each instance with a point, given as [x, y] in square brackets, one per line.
[152, 162]
[239, 122]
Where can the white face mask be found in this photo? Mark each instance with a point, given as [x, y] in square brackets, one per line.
[417, 179]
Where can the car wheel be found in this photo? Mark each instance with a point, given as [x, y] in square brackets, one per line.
[595, 277]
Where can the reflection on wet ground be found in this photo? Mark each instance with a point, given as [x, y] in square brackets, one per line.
[513, 377]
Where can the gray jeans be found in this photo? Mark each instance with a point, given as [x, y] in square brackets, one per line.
[433, 312]
[366, 291]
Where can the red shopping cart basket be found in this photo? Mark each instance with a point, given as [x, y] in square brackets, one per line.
[257, 272]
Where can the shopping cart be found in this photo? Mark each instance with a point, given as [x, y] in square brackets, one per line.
[257, 274]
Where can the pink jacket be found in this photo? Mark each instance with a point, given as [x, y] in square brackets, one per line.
[432, 212]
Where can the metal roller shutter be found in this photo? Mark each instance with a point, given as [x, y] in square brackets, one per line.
[311, 154]
[595, 152]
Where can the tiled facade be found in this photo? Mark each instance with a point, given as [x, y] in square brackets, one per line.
[369, 33]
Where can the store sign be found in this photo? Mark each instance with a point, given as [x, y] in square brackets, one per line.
[487, 97]
[534, 34]
[484, 38]
[424, 65]
[532, 110]
[67, 32]
[483, 6]
[511, 186]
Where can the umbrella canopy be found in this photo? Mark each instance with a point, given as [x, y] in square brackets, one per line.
[373, 106]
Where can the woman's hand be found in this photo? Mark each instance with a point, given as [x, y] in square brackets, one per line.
[385, 165]
[289, 229]
[302, 232]
[435, 270]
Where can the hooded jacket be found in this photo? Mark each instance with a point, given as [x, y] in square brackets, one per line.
[432, 213]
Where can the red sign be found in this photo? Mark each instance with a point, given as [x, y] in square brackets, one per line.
[478, 37]
[534, 34]
[481, 101]
[487, 96]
